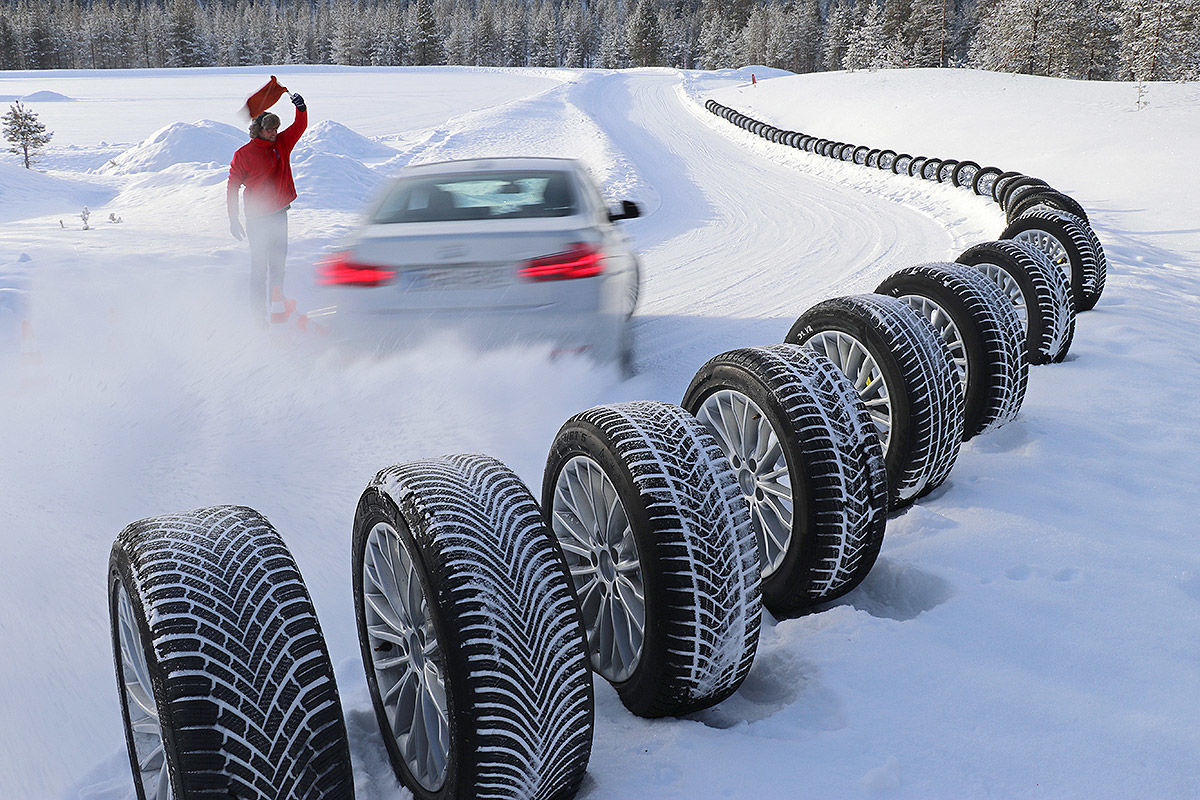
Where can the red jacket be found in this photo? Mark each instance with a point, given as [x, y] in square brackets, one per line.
[263, 168]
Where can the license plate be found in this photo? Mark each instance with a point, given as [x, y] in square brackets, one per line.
[463, 277]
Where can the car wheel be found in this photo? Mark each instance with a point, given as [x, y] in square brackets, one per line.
[658, 538]
[1038, 290]
[1002, 180]
[470, 635]
[964, 174]
[981, 329]
[984, 180]
[225, 683]
[809, 463]
[906, 378]
[901, 164]
[1070, 244]
[1049, 198]
[945, 173]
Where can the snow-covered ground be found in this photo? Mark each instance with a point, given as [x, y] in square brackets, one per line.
[1032, 629]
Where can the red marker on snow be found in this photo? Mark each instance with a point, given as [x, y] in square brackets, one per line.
[753, 80]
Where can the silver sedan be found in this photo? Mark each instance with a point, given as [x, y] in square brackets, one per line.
[498, 250]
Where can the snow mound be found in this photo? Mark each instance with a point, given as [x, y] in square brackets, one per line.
[334, 138]
[47, 96]
[203, 142]
[26, 193]
[334, 182]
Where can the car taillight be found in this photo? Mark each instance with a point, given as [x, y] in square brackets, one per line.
[580, 261]
[340, 269]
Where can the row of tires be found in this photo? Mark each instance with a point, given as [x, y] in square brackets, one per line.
[661, 533]
[1035, 211]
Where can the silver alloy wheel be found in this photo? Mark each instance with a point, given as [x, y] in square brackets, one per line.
[406, 657]
[753, 448]
[1012, 290]
[138, 693]
[590, 523]
[947, 331]
[1050, 245]
[857, 364]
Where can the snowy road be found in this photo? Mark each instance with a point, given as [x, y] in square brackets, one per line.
[993, 652]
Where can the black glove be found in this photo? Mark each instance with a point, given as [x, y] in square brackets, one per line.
[298, 102]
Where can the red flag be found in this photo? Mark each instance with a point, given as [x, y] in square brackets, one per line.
[264, 98]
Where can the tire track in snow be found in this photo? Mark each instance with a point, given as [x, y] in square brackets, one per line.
[736, 246]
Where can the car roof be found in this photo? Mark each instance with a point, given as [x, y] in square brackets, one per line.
[503, 164]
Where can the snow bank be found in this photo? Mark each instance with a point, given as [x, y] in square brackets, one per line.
[334, 138]
[26, 193]
[47, 96]
[334, 181]
[205, 141]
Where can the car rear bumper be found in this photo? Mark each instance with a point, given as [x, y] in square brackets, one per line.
[596, 335]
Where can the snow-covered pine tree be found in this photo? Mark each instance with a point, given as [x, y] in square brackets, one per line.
[865, 44]
[754, 36]
[1158, 39]
[457, 41]
[805, 19]
[24, 132]
[543, 36]
[1029, 36]
[1094, 56]
[515, 45]
[422, 35]
[925, 32]
[837, 33]
[574, 36]
[613, 52]
[643, 36]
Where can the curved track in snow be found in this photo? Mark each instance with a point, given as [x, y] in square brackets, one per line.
[736, 246]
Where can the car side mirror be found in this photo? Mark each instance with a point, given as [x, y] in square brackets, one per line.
[629, 210]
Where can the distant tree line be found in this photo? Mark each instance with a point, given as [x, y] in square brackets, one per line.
[1093, 39]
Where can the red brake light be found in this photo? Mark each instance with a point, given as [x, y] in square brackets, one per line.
[340, 270]
[580, 261]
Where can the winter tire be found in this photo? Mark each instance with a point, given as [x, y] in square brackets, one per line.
[658, 538]
[1070, 243]
[931, 168]
[916, 165]
[964, 174]
[470, 635]
[848, 152]
[886, 159]
[818, 146]
[945, 172]
[1051, 198]
[1003, 180]
[901, 163]
[1017, 186]
[1039, 293]
[809, 463]
[225, 684]
[872, 159]
[860, 154]
[980, 327]
[985, 178]
[906, 377]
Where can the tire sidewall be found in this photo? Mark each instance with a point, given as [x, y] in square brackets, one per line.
[978, 368]
[830, 319]
[583, 438]
[375, 507]
[120, 573]
[801, 547]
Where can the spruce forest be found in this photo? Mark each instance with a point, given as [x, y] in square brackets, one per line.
[1140, 40]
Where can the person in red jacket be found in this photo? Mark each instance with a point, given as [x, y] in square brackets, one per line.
[262, 166]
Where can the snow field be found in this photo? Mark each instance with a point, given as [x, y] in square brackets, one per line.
[1029, 630]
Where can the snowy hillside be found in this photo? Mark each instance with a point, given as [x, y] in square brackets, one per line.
[1031, 628]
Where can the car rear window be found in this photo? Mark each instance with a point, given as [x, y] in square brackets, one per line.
[491, 195]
